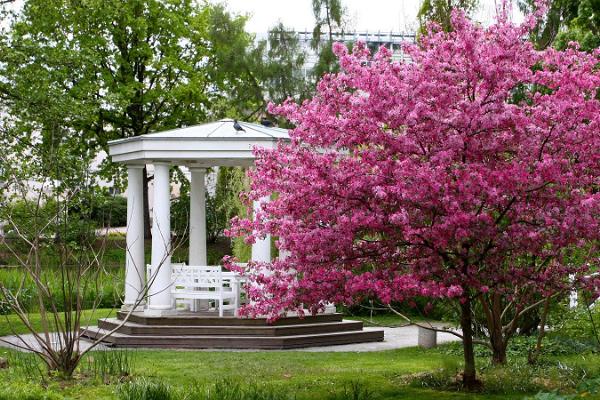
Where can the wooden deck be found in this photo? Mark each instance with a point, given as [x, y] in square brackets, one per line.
[203, 331]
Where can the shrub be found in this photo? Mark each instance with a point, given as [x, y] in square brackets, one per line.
[110, 211]
[577, 323]
[105, 364]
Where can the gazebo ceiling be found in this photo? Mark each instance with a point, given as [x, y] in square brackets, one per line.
[206, 145]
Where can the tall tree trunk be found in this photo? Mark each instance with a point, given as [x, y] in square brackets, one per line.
[466, 324]
[497, 338]
[147, 227]
[498, 350]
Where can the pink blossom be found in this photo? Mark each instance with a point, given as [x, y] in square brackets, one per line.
[448, 176]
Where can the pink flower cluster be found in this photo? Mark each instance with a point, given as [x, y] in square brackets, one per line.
[472, 168]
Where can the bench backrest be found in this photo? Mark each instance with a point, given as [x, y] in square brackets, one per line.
[205, 277]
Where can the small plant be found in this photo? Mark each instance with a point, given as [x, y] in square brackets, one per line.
[144, 389]
[104, 364]
[27, 365]
[354, 390]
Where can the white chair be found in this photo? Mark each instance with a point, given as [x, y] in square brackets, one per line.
[205, 283]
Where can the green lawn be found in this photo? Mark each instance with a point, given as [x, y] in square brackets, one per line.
[10, 324]
[307, 375]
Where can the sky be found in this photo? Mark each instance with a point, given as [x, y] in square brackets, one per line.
[364, 15]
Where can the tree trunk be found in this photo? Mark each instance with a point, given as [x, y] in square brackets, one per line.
[498, 351]
[147, 227]
[466, 324]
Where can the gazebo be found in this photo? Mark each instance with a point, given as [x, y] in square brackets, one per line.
[223, 143]
[197, 147]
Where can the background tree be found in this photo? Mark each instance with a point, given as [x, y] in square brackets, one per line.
[434, 178]
[440, 12]
[558, 17]
[110, 70]
[583, 28]
[329, 16]
[285, 74]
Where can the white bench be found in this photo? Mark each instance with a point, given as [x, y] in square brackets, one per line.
[205, 283]
[190, 283]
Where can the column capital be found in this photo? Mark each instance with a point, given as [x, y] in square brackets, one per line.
[136, 166]
[197, 168]
[167, 163]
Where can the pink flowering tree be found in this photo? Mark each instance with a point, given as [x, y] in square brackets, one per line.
[468, 173]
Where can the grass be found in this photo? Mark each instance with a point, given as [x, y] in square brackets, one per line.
[10, 324]
[308, 375]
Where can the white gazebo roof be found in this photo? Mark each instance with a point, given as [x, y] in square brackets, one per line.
[206, 145]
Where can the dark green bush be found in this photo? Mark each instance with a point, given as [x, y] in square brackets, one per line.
[110, 211]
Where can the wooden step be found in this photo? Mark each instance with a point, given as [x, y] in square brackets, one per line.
[132, 328]
[236, 342]
[210, 319]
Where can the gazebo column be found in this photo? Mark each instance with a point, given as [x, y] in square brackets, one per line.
[197, 244]
[261, 249]
[197, 255]
[160, 298]
[135, 270]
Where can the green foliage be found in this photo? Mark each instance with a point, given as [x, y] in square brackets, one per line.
[516, 377]
[231, 182]
[27, 218]
[110, 211]
[520, 346]
[221, 206]
[440, 12]
[576, 324]
[329, 18]
[283, 72]
[583, 27]
[106, 291]
[78, 74]
[567, 21]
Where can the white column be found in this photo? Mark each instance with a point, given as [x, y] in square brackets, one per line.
[135, 268]
[197, 217]
[160, 290]
[261, 249]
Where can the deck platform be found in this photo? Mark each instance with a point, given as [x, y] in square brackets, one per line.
[207, 331]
